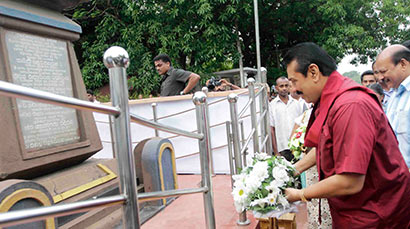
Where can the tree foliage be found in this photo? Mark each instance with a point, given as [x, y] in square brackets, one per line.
[354, 75]
[202, 35]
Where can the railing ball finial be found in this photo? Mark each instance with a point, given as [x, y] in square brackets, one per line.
[232, 98]
[205, 90]
[251, 81]
[116, 56]
[199, 98]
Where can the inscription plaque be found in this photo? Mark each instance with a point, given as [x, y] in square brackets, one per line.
[43, 64]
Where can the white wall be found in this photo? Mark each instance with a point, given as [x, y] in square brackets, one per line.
[218, 112]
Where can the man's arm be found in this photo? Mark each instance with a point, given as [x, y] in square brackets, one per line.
[226, 83]
[272, 129]
[234, 87]
[307, 161]
[193, 79]
[274, 143]
[336, 185]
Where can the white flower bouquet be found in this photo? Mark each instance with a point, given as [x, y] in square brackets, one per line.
[260, 186]
[297, 141]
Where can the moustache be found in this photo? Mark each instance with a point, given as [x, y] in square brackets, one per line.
[299, 93]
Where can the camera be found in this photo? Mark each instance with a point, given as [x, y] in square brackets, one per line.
[213, 83]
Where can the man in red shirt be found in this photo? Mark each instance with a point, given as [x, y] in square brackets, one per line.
[361, 170]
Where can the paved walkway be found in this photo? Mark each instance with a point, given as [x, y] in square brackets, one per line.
[188, 212]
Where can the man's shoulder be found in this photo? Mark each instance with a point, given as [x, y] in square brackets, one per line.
[292, 101]
[399, 99]
[179, 70]
[273, 104]
[356, 98]
[275, 100]
[406, 83]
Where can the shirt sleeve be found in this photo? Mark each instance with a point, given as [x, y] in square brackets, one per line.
[298, 120]
[354, 132]
[182, 75]
[271, 116]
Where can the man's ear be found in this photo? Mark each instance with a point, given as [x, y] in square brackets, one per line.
[314, 72]
[404, 64]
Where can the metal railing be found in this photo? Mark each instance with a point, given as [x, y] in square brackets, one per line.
[262, 123]
[116, 60]
[156, 118]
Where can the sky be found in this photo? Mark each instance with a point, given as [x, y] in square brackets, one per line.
[345, 66]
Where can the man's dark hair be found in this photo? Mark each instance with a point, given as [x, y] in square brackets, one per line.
[401, 54]
[406, 44]
[308, 53]
[89, 91]
[164, 57]
[376, 87]
[281, 78]
[368, 72]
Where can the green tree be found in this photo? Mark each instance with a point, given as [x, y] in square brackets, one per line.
[202, 35]
[354, 75]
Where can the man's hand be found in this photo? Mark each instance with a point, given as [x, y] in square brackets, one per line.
[293, 194]
[225, 83]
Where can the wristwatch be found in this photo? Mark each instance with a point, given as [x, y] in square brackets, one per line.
[182, 92]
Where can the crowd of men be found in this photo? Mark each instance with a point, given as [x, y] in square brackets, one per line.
[360, 133]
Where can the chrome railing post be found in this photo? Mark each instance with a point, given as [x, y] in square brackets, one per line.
[262, 108]
[233, 99]
[251, 87]
[205, 90]
[199, 100]
[211, 160]
[229, 140]
[243, 142]
[154, 116]
[266, 120]
[116, 60]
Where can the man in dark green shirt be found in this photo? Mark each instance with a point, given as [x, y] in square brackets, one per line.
[174, 81]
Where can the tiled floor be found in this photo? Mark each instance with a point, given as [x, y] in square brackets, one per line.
[188, 212]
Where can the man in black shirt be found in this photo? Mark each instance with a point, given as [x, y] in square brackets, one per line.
[174, 80]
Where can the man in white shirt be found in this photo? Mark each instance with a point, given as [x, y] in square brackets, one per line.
[393, 68]
[283, 112]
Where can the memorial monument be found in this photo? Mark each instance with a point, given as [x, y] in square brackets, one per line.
[41, 145]
[37, 52]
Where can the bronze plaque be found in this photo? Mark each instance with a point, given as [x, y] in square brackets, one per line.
[42, 63]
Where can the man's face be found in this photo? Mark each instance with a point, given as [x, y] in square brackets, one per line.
[162, 67]
[90, 97]
[389, 73]
[282, 85]
[302, 84]
[368, 79]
